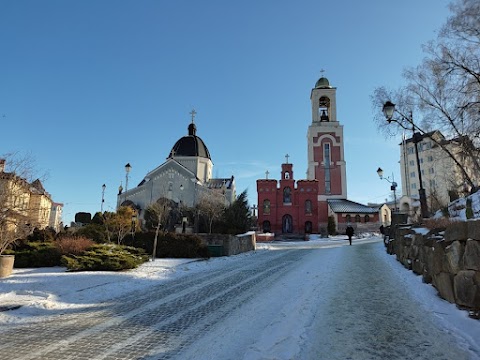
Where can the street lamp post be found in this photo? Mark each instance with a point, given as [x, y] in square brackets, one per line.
[134, 224]
[388, 111]
[128, 167]
[103, 197]
[393, 187]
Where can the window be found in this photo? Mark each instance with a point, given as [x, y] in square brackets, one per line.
[367, 218]
[357, 218]
[430, 158]
[323, 108]
[412, 174]
[421, 160]
[348, 218]
[431, 170]
[326, 161]
[432, 182]
[410, 150]
[411, 163]
[266, 207]
[308, 207]
[413, 186]
[287, 192]
[287, 175]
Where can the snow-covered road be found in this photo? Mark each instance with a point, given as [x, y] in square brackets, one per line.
[304, 300]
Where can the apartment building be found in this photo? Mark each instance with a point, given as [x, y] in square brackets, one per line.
[442, 178]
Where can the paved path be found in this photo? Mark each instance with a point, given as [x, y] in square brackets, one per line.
[357, 310]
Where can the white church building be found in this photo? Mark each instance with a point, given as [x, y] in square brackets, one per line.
[184, 178]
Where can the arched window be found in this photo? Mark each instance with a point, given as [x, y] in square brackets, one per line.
[324, 108]
[287, 175]
[348, 218]
[357, 218]
[287, 198]
[308, 206]
[266, 207]
[367, 218]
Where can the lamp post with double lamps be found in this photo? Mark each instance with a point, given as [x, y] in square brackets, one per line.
[393, 187]
[389, 111]
[103, 197]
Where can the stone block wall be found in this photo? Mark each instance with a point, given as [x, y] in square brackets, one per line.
[449, 259]
[232, 244]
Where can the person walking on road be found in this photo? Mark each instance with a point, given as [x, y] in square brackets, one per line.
[349, 231]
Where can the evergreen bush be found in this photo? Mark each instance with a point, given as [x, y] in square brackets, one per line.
[37, 254]
[331, 226]
[107, 257]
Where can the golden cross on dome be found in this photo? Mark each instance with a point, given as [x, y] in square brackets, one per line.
[193, 113]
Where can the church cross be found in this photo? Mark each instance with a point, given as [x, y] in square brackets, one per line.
[322, 72]
[286, 157]
[173, 153]
[266, 174]
[193, 113]
[254, 208]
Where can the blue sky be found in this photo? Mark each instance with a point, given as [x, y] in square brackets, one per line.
[88, 86]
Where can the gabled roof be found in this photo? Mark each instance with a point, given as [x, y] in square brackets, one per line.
[219, 183]
[170, 162]
[347, 206]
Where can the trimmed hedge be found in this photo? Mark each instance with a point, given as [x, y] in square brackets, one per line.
[170, 245]
[106, 257]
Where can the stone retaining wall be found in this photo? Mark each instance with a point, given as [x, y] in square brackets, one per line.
[449, 260]
[232, 244]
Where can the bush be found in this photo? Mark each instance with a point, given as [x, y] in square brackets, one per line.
[73, 244]
[95, 232]
[108, 257]
[37, 254]
[170, 245]
[331, 226]
[44, 235]
[438, 224]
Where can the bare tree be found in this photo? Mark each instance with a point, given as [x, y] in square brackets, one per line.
[445, 89]
[157, 216]
[119, 224]
[212, 205]
[15, 221]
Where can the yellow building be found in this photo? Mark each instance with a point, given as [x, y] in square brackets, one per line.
[22, 203]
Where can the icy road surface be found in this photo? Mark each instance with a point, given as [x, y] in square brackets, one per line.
[296, 301]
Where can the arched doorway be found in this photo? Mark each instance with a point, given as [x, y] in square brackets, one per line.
[287, 224]
[308, 227]
[266, 226]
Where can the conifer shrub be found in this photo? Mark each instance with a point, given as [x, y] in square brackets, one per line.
[37, 254]
[106, 257]
[331, 226]
[93, 231]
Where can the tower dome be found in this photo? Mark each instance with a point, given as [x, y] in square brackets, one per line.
[322, 83]
[190, 145]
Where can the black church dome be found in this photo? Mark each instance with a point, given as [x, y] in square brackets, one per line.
[190, 145]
